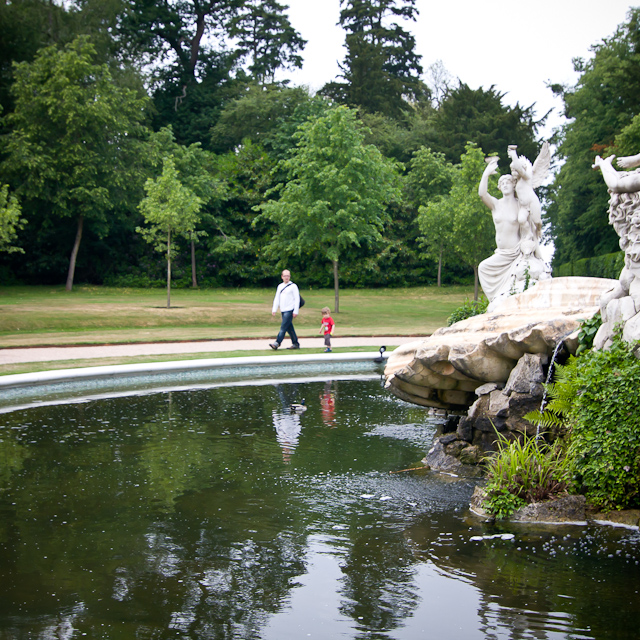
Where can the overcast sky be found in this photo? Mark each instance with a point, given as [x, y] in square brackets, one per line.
[516, 46]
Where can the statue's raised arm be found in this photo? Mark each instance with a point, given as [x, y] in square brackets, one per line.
[483, 187]
[516, 262]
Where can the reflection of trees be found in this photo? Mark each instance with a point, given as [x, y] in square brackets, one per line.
[228, 586]
[12, 457]
[161, 517]
[379, 581]
[172, 514]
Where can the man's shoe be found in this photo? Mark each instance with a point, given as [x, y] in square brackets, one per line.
[294, 346]
[327, 350]
[274, 345]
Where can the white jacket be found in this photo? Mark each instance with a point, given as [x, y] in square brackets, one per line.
[287, 298]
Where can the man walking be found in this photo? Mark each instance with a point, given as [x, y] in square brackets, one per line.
[288, 299]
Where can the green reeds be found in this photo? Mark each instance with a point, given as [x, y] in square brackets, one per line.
[524, 470]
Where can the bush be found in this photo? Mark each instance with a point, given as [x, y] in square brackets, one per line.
[524, 471]
[604, 441]
[588, 331]
[595, 401]
[467, 310]
[605, 266]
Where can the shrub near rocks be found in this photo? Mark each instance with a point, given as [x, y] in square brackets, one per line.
[524, 471]
[604, 424]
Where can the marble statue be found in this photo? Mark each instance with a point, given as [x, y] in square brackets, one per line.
[621, 305]
[517, 262]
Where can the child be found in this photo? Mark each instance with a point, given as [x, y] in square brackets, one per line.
[327, 326]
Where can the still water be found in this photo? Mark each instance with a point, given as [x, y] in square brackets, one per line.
[217, 513]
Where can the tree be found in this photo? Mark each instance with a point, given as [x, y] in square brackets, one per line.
[381, 69]
[473, 233]
[176, 33]
[25, 27]
[427, 183]
[601, 106]
[170, 208]
[191, 41]
[72, 131]
[265, 35]
[197, 169]
[479, 116]
[336, 194]
[266, 115]
[10, 221]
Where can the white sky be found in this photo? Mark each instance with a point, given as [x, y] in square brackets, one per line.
[516, 46]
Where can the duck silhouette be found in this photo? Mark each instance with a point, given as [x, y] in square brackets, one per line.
[298, 407]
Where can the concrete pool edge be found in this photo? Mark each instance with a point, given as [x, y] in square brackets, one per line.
[20, 380]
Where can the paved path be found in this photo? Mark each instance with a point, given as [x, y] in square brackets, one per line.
[48, 354]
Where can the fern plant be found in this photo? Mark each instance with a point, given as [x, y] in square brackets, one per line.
[552, 415]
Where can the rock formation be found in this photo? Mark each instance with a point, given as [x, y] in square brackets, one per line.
[445, 369]
[488, 371]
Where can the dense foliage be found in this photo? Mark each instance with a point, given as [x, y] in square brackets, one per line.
[602, 106]
[594, 411]
[336, 193]
[95, 94]
[604, 422]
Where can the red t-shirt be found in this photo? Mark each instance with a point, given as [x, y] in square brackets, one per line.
[327, 324]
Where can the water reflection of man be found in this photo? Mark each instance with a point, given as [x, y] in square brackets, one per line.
[286, 422]
[288, 428]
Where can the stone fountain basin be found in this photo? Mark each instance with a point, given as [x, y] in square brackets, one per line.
[445, 369]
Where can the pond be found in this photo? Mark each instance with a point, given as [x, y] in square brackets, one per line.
[215, 512]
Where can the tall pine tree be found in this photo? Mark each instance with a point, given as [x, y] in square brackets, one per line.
[265, 36]
[381, 71]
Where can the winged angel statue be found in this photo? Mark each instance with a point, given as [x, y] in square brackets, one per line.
[517, 262]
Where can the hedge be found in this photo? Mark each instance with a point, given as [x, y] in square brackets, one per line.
[605, 266]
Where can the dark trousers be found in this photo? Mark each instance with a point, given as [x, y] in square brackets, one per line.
[287, 327]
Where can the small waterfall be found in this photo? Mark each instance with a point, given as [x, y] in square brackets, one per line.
[543, 404]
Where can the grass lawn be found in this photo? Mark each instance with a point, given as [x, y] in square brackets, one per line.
[39, 316]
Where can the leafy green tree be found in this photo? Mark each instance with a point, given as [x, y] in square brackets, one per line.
[264, 34]
[170, 208]
[336, 195]
[473, 233]
[428, 181]
[601, 106]
[177, 44]
[381, 70]
[73, 132]
[198, 170]
[266, 115]
[479, 116]
[438, 239]
[10, 220]
[173, 32]
[25, 27]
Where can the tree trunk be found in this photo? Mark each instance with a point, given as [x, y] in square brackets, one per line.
[336, 286]
[74, 254]
[169, 270]
[475, 283]
[194, 276]
[440, 269]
